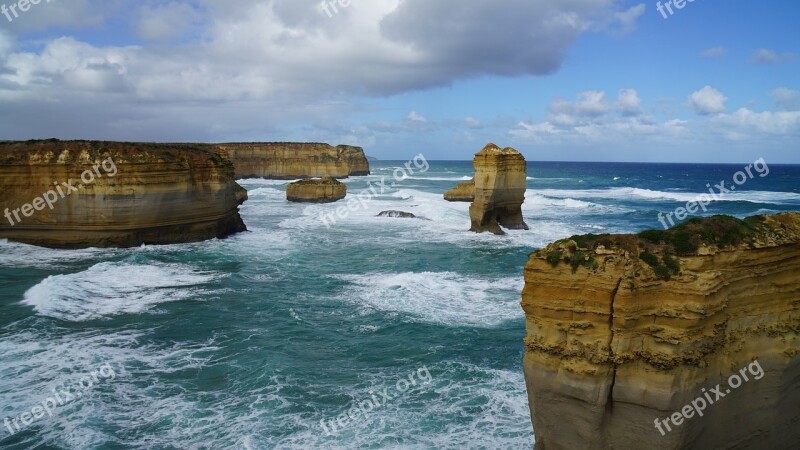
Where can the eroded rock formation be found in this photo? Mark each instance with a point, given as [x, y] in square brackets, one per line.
[108, 194]
[289, 161]
[625, 331]
[464, 192]
[500, 185]
[325, 190]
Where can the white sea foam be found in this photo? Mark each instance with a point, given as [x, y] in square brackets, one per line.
[446, 298]
[630, 193]
[109, 289]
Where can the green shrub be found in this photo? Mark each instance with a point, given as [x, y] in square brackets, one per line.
[554, 257]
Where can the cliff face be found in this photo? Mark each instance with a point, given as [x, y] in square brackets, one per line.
[464, 192]
[624, 333]
[500, 185]
[326, 190]
[288, 161]
[108, 194]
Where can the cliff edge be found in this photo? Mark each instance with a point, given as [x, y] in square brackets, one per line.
[75, 194]
[289, 161]
[680, 339]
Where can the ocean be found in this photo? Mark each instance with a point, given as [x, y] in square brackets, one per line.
[323, 326]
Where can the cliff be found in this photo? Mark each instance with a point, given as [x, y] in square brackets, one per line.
[464, 192]
[325, 190]
[288, 161]
[108, 194]
[500, 185]
[627, 334]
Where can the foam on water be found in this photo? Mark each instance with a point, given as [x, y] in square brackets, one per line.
[631, 193]
[109, 289]
[444, 298]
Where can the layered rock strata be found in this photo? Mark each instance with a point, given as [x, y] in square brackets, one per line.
[500, 185]
[625, 333]
[325, 190]
[108, 194]
[289, 161]
[464, 192]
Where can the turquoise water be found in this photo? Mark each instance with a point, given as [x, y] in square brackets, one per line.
[252, 341]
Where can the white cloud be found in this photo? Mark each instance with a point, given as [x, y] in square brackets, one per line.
[715, 52]
[416, 117]
[787, 99]
[471, 122]
[708, 101]
[167, 22]
[747, 123]
[275, 56]
[767, 56]
[629, 103]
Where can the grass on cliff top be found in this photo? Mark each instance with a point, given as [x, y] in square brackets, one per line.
[17, 151]
[684, 239]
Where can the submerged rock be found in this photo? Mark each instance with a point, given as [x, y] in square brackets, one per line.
[464, 192]
[626, 333]
[500, 185]
[325, 190]
[76, 194]
[397, 214]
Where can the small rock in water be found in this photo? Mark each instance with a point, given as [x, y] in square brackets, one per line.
[397, 214]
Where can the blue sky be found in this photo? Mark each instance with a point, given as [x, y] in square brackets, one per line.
[586, 80]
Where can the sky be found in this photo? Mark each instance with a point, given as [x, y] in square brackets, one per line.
[560, 80]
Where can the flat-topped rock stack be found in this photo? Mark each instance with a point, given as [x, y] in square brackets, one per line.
[500, 185]
[290, 161]
[325, 190]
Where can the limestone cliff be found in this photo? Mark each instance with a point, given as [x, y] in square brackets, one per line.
[626, 330]
[500, 184]
[73, 194]
[325, 190]
[464, 192]
[288, 161]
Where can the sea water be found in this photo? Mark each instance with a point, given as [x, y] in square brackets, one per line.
[265, 339]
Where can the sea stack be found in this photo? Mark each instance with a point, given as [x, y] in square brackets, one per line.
[325, 190]
[680, 339]
[290, 161]
[77, 194]
[500, 184]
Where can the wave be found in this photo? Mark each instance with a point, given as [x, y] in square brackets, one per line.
[444, 298]
[628, 193]
[110, 289]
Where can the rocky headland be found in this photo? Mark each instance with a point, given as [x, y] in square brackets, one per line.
[464, 192]
[626, 333]
[325, 190]
[76, 194]
[290, 161]
[500, 185]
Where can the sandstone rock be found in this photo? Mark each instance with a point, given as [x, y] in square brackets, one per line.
[623, 330]
[464, 192]
[397, 214]
[500, 185]
[158, 194]
[325, 190]
[290, 161]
